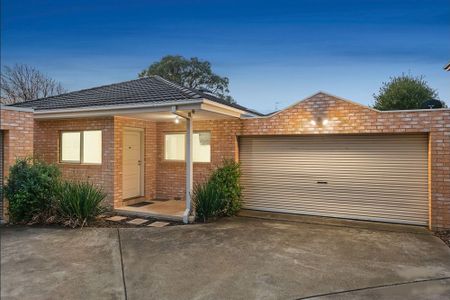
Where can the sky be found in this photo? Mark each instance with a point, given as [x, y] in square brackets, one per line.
[274, 52]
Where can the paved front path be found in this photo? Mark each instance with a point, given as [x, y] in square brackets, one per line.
[233, 259]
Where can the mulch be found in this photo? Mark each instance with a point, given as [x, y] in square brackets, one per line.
[100, 222]
[443, 235]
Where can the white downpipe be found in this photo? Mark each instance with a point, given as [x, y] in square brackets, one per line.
[189, 167]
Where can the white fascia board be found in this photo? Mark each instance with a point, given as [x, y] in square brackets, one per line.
[222, 109]
[110, 110]
[15, 108]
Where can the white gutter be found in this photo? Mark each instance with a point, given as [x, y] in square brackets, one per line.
[112, 109]
[163, 106]
[14, 108]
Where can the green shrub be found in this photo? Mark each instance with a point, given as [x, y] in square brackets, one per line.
[226, 179]
[220, 195]
[30, 190]
[79, 202]
[208, 201]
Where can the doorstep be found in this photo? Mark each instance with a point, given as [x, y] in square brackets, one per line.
[127, 211]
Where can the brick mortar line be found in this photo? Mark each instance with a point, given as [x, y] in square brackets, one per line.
[373, 287]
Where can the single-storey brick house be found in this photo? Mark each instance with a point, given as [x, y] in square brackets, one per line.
[152, 139]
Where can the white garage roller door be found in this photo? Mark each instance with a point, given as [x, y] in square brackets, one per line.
[373, 177]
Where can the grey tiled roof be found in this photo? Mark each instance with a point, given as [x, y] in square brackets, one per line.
[153, 89]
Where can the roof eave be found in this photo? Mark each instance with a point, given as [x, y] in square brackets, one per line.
[111, 110]
[224, 108]
[14, 108]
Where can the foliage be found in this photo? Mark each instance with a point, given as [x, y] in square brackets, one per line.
[79, 202]
[403, 92]
[226, 179]
[22, 83]
[191, 73]
[208, 201]
[31, 190]
[220, 195]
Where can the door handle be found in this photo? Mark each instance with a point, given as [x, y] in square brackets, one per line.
[322, 182]
[139, 162]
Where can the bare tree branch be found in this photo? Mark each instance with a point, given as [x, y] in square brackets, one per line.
[22, 83]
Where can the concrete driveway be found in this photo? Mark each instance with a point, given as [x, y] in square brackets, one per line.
[237, 258]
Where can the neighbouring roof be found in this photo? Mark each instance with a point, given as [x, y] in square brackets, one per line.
[152, 89]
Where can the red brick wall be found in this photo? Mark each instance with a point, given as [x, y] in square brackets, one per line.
[109, 173]
[46, 147]
[17, 129]
[347, 117]
[170, 179]
[167, 179]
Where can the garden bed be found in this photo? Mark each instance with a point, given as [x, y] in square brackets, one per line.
[443, 235]
[102, 222]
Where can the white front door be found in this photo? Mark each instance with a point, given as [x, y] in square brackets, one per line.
[131, 168]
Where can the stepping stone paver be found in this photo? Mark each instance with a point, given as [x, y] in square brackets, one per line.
[158, 224]
[116, 218]
[137, 221]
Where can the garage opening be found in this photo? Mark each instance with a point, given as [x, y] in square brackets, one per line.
[366, 177]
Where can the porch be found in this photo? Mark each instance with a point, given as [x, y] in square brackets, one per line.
[160, 155]
[148, 151]
[170, 210]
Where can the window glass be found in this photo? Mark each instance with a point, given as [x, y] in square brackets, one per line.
[92, 147]
[174, 146]
[70, 146]
[202, 147]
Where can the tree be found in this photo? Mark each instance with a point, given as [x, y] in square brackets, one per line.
[403, 92]
[191, 73]
[22, 83]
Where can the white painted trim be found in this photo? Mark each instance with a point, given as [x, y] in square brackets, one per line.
[220, 110]
[189, 166]
[111, 110]
[133, 128]
[14, 108]
[115, 107]
[224, 106]
[142, 159]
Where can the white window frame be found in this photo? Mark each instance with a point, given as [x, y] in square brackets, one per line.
[81, 161]
[184, 146]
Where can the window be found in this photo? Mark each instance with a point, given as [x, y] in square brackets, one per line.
[174, 146]
[81, 147]
[202, 147]
[70, 146]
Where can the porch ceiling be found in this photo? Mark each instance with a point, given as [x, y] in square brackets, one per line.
[169, 116]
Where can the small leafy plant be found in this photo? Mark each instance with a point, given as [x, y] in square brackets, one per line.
[226, 179]
[220, 195]
[31, 190]
[208, 201]
[79, 202]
